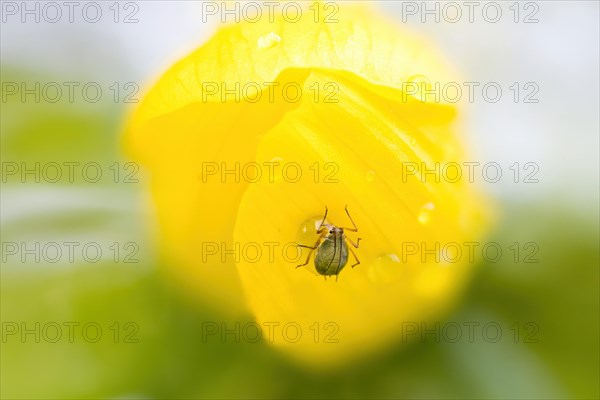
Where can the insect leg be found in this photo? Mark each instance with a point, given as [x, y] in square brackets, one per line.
[352, 243]
[312, 249]
[356, 258]
[352, 251]
[323, 220]
[355, 229]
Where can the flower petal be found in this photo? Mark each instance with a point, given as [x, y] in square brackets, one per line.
[179, 126]
[367, 137]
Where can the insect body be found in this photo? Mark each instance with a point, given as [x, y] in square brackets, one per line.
[331, 249]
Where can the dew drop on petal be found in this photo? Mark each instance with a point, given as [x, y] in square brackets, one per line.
[425, 213]
[269, 40]
[273, 174]
[371, 176]
[307, 235]
[307, 231]
[386, 269]
[423, 85]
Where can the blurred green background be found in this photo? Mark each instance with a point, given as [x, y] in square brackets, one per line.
[158, 352]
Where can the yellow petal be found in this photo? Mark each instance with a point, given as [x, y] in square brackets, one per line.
[196, 208]
[367, 137]
[181, 125]
[360, 42]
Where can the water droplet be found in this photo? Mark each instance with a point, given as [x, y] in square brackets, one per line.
[307, 235]
[386, 269]
[269, 40]
[272, 173]
[421, 80]
[371, 176]
[422, 85]
[425, 213]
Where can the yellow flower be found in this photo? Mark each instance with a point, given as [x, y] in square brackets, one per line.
[350, 134]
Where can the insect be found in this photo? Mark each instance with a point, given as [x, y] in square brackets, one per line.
[331, 249]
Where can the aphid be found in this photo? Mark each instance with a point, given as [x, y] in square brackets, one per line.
[331, 249]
